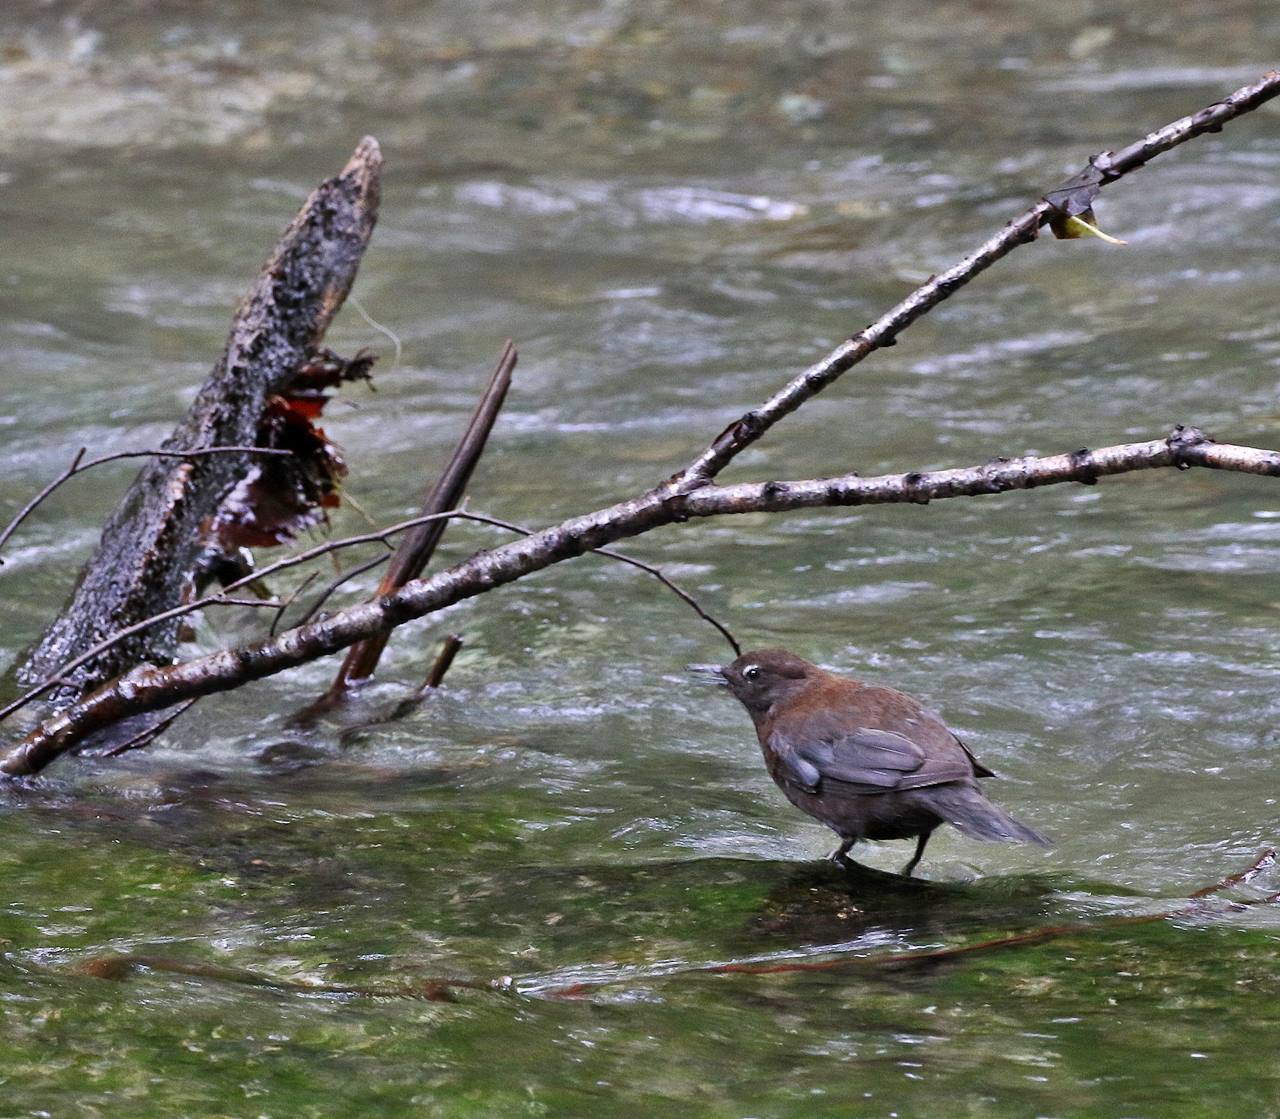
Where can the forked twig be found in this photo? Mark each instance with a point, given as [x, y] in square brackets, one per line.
[294, 595]
[335, 584]
[1102, 169]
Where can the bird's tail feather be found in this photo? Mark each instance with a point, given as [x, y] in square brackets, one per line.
[965, 808]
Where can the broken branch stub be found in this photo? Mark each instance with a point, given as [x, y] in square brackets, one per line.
[151, 548]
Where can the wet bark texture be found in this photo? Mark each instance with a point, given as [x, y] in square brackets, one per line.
[154, 543]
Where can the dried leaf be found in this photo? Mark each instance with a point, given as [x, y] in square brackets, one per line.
[1081, 225]
[283, 496]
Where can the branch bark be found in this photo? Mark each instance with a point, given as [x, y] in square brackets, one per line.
[149, 688]
[152, 544]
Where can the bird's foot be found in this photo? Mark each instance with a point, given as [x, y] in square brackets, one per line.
[840, 856]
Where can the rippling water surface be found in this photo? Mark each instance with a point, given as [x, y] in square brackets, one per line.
[672, 209]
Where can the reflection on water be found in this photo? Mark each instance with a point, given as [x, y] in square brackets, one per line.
[671, 209]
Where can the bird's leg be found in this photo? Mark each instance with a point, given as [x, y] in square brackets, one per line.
[840, 855]
[920, 845]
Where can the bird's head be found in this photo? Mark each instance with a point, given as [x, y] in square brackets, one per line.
[761, 678]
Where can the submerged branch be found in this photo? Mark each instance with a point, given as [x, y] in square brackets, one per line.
[148, 688]
[928, 956]
[440, 666]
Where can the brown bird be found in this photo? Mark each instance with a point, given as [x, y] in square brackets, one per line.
[867, 761]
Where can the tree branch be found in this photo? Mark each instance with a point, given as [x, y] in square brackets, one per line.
[219, 599]
[631, 561]
[690, 493]
[147, 688]
[1102, 169]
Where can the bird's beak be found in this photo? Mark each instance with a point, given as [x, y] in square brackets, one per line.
[710, 673]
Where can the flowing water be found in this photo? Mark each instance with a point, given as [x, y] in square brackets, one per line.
[672, 208]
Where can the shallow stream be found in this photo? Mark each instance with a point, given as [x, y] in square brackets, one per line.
[672, 208]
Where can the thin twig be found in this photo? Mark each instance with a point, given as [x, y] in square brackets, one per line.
[610, 553]
[334, 584]
[77, 466]
[293, 597]
[148, 735]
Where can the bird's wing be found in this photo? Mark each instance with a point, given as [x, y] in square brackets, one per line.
[979, 770]
[870, 761]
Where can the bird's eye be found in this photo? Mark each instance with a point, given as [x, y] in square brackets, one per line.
[751, 672]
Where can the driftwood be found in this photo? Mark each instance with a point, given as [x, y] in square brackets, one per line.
[152, 545]
[691, 493]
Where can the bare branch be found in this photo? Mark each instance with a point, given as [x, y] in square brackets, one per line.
[150, 733]
[336, 583]
[1105, 168]
[148, 688]
[220, 599]
[296, 593]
